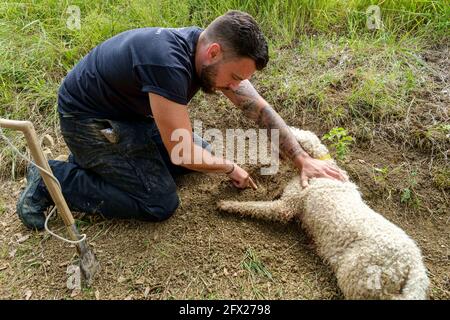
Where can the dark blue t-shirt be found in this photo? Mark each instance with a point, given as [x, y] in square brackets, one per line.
[114, 79]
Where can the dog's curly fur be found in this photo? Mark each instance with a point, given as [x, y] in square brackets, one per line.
[372, 258]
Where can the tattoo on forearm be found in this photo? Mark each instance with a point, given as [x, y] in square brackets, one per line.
[250, 110]
[265, 116]
[246, 90]
[271, 120]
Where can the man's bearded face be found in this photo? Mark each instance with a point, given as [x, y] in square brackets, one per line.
[208, 77]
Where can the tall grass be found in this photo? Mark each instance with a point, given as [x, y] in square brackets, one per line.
[37, 49]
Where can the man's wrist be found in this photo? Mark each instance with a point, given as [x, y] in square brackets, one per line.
[231, 169]
[300, 158]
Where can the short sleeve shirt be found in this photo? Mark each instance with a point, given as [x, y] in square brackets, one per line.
[114, 79]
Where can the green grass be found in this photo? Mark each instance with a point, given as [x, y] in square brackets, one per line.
[441, 178]
[254, 265]
[409, 195]
[2, 207]
[38, 50]
[360, 84]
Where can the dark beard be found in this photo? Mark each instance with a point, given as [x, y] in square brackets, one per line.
[207, 77]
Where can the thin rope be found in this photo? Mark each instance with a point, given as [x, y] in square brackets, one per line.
[49, 174]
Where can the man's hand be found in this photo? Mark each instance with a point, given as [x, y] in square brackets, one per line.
[241, 179]
[314, 168]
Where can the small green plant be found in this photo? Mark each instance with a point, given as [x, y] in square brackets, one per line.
[211, 296]
[381, 173]
[340, 141]
[380, 176]
[408, 195]
[441, 178]
[87, 291]
[439, 132]
[254, 265]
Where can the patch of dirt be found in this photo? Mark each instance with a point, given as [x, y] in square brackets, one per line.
[199, 252]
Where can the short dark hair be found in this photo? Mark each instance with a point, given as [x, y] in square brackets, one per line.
[239, 34]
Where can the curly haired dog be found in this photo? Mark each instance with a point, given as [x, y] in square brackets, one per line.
[371, 257]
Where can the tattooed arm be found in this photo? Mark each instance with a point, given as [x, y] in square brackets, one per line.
[256, 108]
[246, 98]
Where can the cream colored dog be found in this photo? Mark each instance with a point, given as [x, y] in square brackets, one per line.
[371, 257]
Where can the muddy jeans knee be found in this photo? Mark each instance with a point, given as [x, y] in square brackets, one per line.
[160, 209]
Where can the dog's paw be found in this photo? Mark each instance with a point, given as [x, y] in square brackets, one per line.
[221, 205]
[226, 206]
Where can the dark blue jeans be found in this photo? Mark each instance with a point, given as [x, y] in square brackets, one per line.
[129, 177]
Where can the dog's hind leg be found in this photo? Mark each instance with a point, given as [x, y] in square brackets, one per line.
[268, 210]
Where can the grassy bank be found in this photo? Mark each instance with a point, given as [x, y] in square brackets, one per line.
[38, 49]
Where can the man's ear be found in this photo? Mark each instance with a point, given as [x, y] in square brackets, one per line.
[214, 52]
